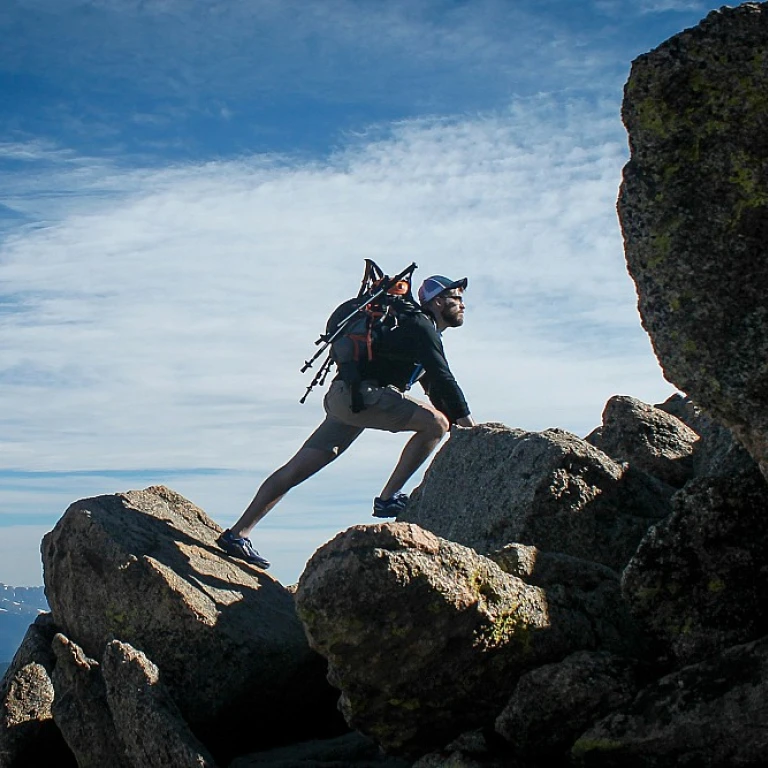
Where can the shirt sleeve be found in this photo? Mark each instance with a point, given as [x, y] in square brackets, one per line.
[438, 381]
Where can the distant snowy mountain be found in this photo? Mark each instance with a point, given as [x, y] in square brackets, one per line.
[19, 606]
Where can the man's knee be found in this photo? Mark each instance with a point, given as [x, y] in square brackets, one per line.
[436, 425]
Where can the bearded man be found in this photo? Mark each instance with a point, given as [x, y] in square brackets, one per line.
[410, 352]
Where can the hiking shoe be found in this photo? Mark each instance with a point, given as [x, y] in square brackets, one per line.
[241, 549]
[390, 507]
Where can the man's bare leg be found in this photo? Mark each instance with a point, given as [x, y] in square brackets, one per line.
[430, 427]
[304, 464]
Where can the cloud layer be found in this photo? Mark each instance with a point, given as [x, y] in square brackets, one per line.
[159, 294]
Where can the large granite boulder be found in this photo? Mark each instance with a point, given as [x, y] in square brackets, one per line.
[143, 567]
[693, 207]
[709, 715]
[648, 438]
[492, 485]
[698, 580]
[425, 638]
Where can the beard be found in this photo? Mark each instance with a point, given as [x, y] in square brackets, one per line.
[452, 318]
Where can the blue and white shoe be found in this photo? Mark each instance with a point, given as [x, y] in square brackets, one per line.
[391, 507]
[242, 549]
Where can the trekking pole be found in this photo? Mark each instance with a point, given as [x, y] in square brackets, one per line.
[326, 340]
[319, 377]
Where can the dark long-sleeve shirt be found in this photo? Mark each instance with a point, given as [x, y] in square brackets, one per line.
[415, 341]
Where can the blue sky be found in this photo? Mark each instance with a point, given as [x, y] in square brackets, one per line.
[188, 188]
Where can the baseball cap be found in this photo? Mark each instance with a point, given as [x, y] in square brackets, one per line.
[433, 286]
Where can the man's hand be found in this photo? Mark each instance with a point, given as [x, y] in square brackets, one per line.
[464, 421]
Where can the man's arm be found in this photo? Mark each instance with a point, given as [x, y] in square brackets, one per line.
[439, 383]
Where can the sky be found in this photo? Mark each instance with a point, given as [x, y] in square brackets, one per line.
[189, 187]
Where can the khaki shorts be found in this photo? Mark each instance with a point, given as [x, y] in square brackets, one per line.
[386, 408]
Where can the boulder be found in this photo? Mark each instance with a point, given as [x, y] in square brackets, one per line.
[28, 735]
[718, 453]
[586, 597]
[698, 580]
[709, 715]
[693, 208]
[80, 708]
[580, 690]
[648, 438]
[147, 722]
[460, 629]
[492, 485]
[143, 567]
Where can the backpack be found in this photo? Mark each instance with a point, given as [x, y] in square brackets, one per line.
[356, 327]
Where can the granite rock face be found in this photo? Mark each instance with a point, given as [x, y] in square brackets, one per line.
[491, 485]
[698, 580]
[28, 735]
[709, 715]
[147, 721]
[460, 629]
[80, 708]
[648, 438]
[142, 567]
[693, 208]
[582, 689]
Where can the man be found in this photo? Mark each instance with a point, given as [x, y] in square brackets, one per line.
[411, 351]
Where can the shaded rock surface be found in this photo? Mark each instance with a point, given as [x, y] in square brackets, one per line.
[693, 208]
[699, 578]
[580, 690]
[350, 750]
[717, 453]
[461, 629]
[710, 715]
[147, 721]
[80, 709]
[28, 736]
[492, 485]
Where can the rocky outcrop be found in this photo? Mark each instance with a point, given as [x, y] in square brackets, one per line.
[648, 438]
[545, 599]
[698, 580]
[461, 629]
[717, 452]
[581, 689]
[710, 715]
[148, 723]
[693, 208]
[492, 485]
[143, 567]
[80, 708]
[28, 735]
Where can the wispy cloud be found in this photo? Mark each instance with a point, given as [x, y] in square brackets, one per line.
[183, 301]
[186, 195]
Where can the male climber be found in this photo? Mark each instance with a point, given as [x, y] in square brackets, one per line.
[412, 351]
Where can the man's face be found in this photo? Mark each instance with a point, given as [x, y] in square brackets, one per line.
[450, 306]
